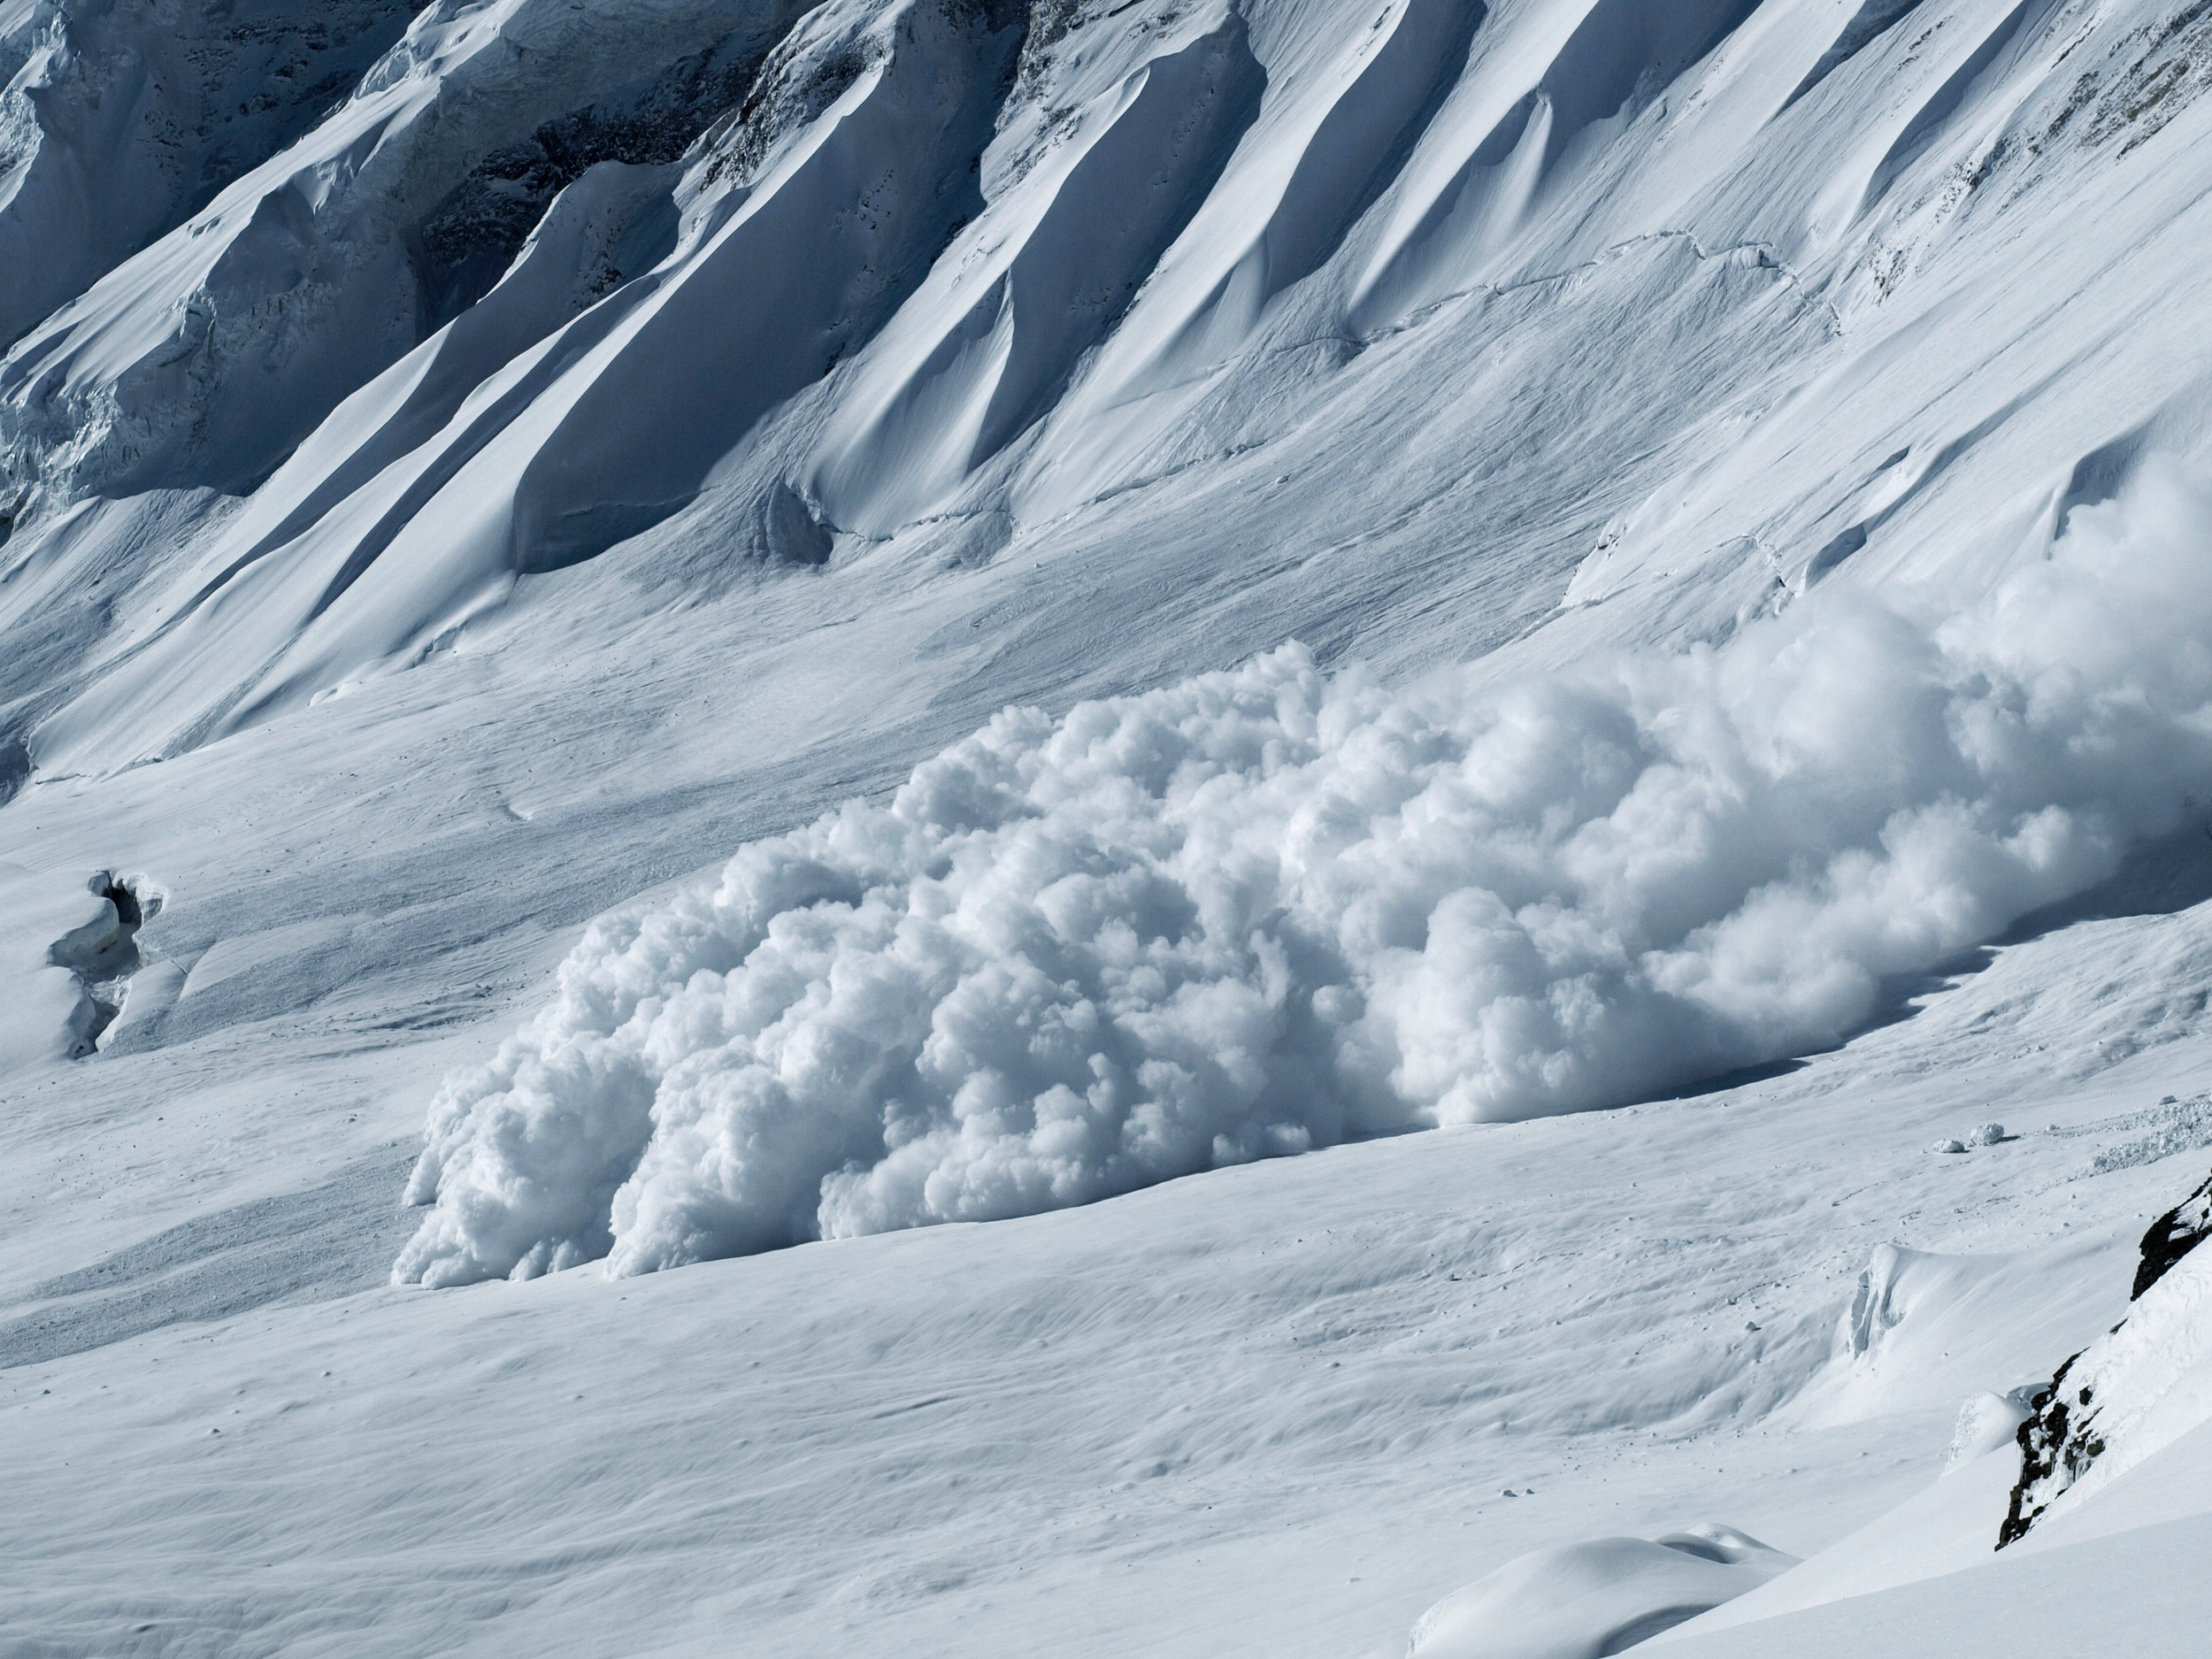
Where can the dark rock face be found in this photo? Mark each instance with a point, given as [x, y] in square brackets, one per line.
[2058, 1442]
[475, 232]
[2172, 1236]
[2061, 1437]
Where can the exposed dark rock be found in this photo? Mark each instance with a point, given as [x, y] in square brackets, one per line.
[2172, 1236]
[2061, 1438]
[473, 236]
[2057, 1445]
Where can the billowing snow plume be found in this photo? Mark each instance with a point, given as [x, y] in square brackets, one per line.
[1263, 911]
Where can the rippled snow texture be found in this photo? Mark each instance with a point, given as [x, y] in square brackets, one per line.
[1260, 912]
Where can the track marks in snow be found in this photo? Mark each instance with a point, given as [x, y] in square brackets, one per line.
[325, 1241]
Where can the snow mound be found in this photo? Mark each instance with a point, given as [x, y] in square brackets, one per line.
[1987, 1421]
[1263, 911]
[1583, 1600]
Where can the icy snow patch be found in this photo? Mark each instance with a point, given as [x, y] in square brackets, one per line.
[103, 954]
[1263, 910]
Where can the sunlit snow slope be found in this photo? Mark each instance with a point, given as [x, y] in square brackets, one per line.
[672, 628]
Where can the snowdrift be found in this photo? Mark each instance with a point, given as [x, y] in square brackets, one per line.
[1262, 912]
[2113, 1445]
[1586, 1600]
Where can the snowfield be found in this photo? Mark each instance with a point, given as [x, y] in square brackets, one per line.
[1259, 770]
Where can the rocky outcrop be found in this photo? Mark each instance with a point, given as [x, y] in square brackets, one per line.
[2172, 1236]
[2109, 1396]
[103, 955]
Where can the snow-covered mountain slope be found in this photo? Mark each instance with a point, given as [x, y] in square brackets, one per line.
[121, 118]
[521, 520]
[1274, 1408]
[1112, 269]
[2114, 1447]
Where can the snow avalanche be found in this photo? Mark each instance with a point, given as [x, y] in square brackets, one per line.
[1265, 910]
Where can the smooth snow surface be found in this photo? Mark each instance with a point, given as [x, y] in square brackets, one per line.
[1586, 1600]
[2136, 1595]
[807, 619]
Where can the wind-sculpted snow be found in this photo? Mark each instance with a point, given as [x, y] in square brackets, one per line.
[118, 120]
[981, 351]
[775, 294]
[1603, 1595]
[1265, 910]
[751, 287]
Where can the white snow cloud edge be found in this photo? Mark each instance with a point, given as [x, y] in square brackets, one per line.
[1263, 911]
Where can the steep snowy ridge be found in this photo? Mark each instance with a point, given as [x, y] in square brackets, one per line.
[2129, 1396]
[988, 342]
[1262, 247]
[204, 359]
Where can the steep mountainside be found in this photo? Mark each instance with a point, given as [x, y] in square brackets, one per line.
[706, 634]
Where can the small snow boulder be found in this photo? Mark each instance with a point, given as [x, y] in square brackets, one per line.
[1948, 1146]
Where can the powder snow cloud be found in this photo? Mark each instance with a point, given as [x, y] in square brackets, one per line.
[1263, 911]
